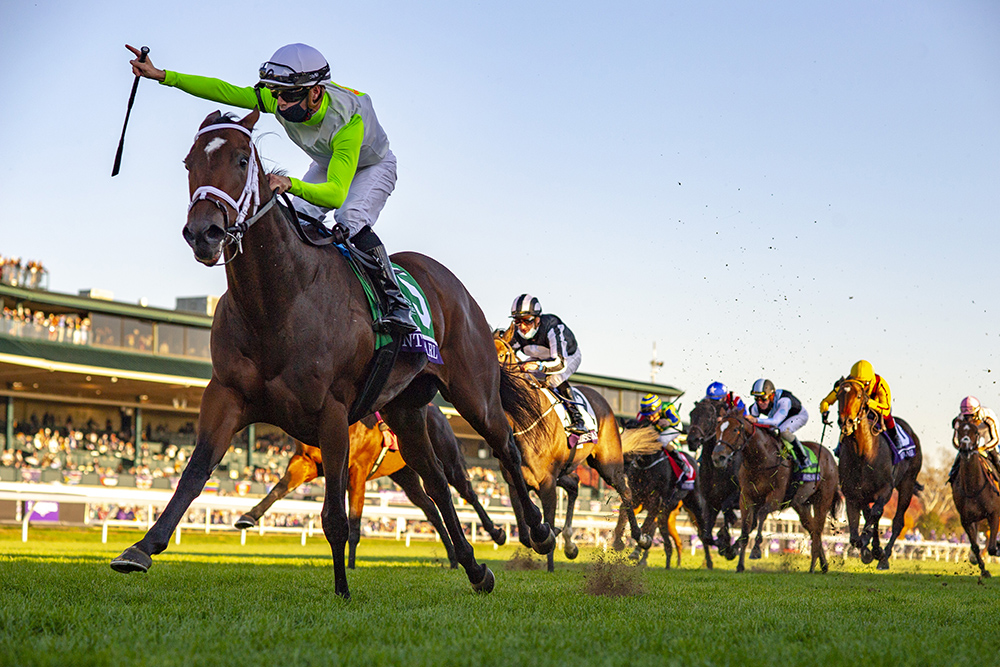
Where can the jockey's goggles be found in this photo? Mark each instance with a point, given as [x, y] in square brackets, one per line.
[524, 319]
[283, 75]
[291, 95]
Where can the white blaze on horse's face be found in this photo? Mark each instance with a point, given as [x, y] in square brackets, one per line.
[723, 427]
[214, 145]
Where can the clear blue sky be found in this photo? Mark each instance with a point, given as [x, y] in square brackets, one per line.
[764, 189]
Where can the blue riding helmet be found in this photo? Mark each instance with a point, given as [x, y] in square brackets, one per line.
[716, 391]
[650, 404]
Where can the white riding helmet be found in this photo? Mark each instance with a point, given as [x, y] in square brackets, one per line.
[294, 66]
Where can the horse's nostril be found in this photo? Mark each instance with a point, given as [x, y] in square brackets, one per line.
[188, 236]
[214, 234]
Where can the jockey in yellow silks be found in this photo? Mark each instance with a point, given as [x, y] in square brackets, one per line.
[879, 396]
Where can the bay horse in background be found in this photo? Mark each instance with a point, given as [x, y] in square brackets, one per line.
[720, 489]
[656, 487]
[765, 484]
[293, 344]
[548, 460]
[867, 473]
[655, 518]
[975, 491]
[370, 458]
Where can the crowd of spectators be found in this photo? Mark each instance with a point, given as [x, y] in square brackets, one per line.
[62, 328]
[29, 274]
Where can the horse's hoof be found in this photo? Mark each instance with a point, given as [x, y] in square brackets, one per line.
[986, 574]
[487, 582]
[730, 554]
[866, 555]
[755, 553]
[739, 568]
[824, 567]
[645, 542]
[544, 546]
[499, 537]
[454, 565]
[636, 554]
[571, 550]
[132, 560]
[882, 565]
[245, 522]
[618, 545]
[877, 553]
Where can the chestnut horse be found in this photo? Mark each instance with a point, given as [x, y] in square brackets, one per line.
[764, 484]
[547, 459]
[370, 459]
[719, 488]
[975, 491]
[292, 346]
[867, 474]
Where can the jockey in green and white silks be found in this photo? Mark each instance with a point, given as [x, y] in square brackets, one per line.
[353, 171]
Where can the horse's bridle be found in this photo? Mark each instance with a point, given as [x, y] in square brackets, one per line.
[720, 439]
[862, 412]
[249, 198]
[973, 450]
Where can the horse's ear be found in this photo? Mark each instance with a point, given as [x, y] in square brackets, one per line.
[251, 119]
[211, 118]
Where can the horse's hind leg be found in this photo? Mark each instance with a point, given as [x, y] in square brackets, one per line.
[409, 481]
[547, 496]
[220, 418]
[488, 419]
[449, 453]
[410, 426]
[571, 483]
[301, 469]
[334, 444]
[613, 473]
[972, 530]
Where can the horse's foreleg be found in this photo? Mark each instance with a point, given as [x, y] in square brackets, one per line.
[334, 444]
[762, 514]
[409, 481]
[673, 535]
[618, 544]
[547, 496]
[972, 530]
[902, 504]
[747, 513]
[571, 484]
[301, 469]
[515, 505]
[221, 416]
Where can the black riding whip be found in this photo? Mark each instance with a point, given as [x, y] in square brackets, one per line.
[131, 98]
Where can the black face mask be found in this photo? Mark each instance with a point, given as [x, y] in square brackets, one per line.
[297, 113]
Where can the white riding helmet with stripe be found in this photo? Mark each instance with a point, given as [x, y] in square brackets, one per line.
[295, 66]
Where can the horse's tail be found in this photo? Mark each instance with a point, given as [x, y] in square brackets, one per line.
[519, 400]
[639, 441]
[838, 501]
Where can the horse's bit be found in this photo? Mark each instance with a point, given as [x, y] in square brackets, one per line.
[249, 198]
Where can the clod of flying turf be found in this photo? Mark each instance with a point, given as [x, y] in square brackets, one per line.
[524, 559]
[613, 575]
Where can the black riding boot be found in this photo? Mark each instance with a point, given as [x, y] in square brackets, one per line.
[575, 417]
[801, 456]
[375, 260]
[994, 459]
[894, 436]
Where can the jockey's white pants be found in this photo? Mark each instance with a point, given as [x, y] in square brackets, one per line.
[370, 188]
[793, 424]
[572, 363]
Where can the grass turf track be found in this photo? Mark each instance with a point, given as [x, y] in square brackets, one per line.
[210, 601]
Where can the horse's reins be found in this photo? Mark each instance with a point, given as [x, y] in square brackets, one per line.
[249, 198]
[747, 435]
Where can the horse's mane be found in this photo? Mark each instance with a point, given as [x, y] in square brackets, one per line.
[520, 401]
[640, 441]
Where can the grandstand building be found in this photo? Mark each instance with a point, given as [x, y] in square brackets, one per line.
[97, 391]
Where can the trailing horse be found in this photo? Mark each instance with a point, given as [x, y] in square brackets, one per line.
[548, 457]
[656, 487]
[293, 345]
[975, 491]
[765, 478]
[868, 474]
[370, 458]
[719, 488]
[655, 518]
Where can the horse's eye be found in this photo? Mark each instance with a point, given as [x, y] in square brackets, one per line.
[244, 162]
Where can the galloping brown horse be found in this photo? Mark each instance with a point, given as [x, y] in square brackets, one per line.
[292, 345]
[720, 488]
[656, 517]
[867, 474]
[370, 459]
[764, 484]
[975, 491]
[547, 458]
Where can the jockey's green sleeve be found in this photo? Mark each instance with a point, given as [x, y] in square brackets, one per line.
[345, 145]
[218, 90]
